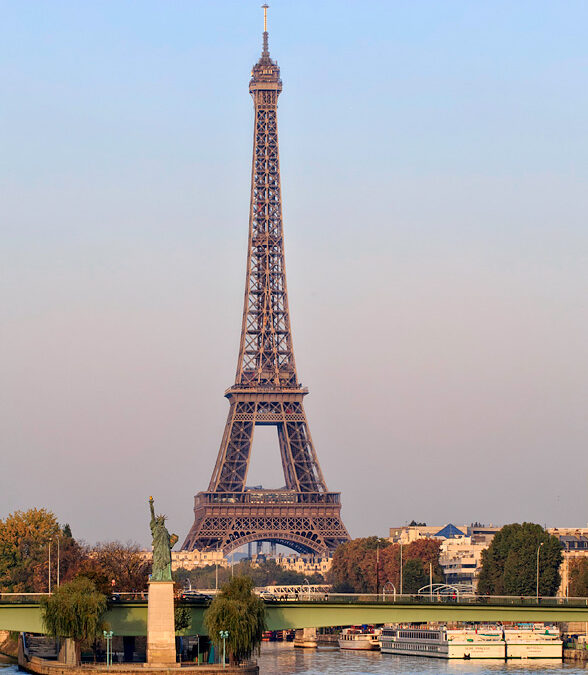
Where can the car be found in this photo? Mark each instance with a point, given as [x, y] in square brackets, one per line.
[195, 596]
[268, 597]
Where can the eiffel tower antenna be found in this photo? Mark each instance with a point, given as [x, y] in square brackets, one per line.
[303, 514]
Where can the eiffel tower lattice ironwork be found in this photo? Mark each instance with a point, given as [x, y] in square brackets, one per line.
[303, 515]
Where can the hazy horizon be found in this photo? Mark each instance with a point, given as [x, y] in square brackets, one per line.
[434, 172]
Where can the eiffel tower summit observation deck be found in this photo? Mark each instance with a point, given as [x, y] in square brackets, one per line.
[303, 515]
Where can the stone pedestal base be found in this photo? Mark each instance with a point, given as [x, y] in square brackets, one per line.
[161, 634]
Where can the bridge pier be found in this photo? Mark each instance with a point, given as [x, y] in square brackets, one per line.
[306, 638]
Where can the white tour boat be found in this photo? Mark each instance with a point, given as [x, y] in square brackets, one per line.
[538, 642]
[441, 643]
[358, 638]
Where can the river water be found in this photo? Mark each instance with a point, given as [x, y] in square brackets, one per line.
[282, 658]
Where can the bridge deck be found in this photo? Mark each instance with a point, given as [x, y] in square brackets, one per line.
[130, 618]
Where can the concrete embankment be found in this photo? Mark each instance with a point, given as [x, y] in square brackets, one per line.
[8, 644]
[39, 666]
[44, 666]
[575, 655]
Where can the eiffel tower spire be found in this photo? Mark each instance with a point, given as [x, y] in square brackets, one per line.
[304, 514]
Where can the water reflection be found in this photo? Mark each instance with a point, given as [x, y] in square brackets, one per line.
[282, 658]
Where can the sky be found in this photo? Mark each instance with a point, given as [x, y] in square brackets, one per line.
[434, 162]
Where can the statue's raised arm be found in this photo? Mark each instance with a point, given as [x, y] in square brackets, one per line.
[162, 545]
[152, 510]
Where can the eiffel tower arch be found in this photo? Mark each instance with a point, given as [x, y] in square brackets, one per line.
[303, 514]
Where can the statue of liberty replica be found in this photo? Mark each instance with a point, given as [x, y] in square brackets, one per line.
[163, 543]
[161, 643]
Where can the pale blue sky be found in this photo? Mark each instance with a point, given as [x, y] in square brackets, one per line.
[434, 168]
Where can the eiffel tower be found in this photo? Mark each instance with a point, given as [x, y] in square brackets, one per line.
[303, 514]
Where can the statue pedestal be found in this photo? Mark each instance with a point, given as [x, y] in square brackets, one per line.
[161, 634]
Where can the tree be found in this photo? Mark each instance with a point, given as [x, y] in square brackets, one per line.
[578, 587]
[24, 547]
[182, 618]
[239, 611]
[75, 611]
[362, 565]
[414, 576]
[124, 564]
[509, 564]
[358, 564]
[91, 569]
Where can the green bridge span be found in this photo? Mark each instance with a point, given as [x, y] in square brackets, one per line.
[130, 618]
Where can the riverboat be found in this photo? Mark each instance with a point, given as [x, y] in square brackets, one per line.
[538, 642]
[441, 643]
[359, 638]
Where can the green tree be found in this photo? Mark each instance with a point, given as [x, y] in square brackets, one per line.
[578, 587]
[75, 611]
[414, 576]
[182, 618]
[239, 611]
[509, 564]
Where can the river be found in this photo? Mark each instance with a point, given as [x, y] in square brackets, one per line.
[282, 658]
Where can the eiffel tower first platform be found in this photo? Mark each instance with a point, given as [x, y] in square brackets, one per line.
[303, 515]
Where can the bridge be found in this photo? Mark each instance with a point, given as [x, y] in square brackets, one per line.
[130, 617]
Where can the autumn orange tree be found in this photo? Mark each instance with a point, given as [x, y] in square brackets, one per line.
[121, 563]
[25, 537]
[365, 565]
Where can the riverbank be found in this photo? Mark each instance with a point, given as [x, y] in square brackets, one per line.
[39, 666]
[8, 645]
[575, 655]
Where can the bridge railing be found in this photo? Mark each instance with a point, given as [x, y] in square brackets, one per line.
[419, 599]
[470, 599]
[317, 594]
[10, 598]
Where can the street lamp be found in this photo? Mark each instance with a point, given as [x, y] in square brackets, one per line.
[49, 571]
[108, 637]
[224, 635]
[401, 567]
[537, 588]
[307, 582]
[197, 648]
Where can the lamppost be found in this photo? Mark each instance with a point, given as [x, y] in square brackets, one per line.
[537, 588]
[401, 575]
[49, 571]
[57, 561]
[377, 571]
[307, 582]
[108, 637]
[224, 635]
[198, 649]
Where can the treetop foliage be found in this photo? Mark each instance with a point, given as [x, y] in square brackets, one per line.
[25, 537]
[361, 565]
[578, 584]
[239, 611]
[509, 564]
[75, 610]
